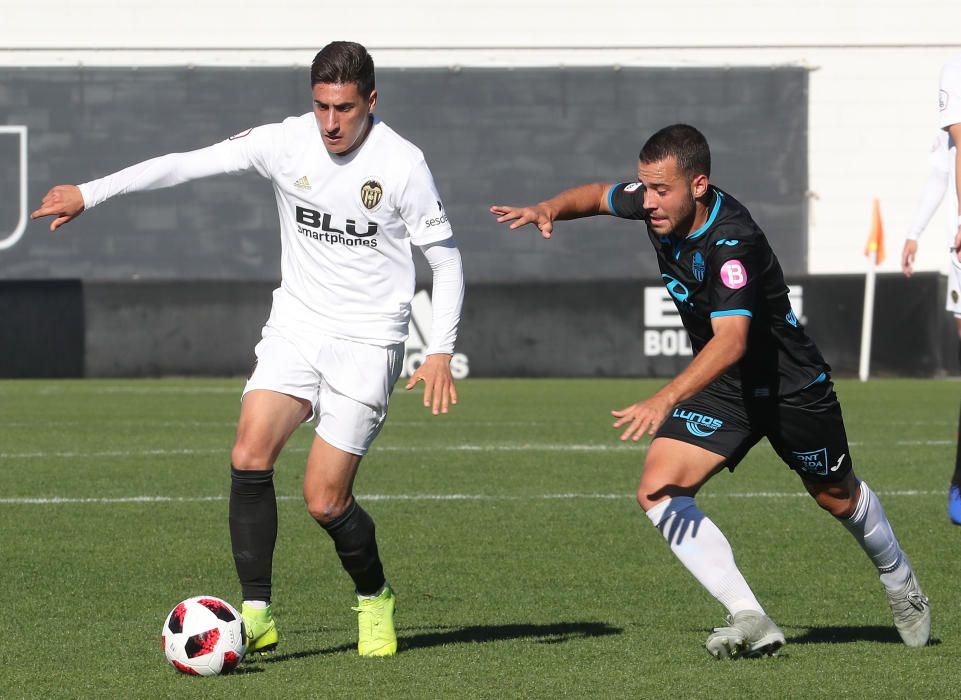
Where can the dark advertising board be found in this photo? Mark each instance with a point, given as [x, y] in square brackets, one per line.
[491, 136]
[534, 329]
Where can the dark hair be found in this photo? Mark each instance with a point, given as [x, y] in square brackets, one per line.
[341, 63]
[685, 143]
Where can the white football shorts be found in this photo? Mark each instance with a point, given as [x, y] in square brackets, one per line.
[953, 303]
[347, 383]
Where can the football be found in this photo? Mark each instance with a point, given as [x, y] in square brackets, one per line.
[204, 636]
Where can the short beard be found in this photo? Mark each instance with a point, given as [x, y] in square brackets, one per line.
[686, 222]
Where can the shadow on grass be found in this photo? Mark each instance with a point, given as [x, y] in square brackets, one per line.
[245, 669]
[849, 634]
[554, 633]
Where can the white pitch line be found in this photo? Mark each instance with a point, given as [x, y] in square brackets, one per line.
[452, 423]
[504, 447]
[169, 390]
[527, 447]
[521, 447]
[401, 423]
[233, 424]
[140, 390]
[59, 500]
[924, 443]
[134, 423]
[109, 453]
[901, 443]
[62, 500]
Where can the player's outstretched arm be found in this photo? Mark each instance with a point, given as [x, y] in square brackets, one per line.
[439, 391]
[575, 203]
[955, 132]
[723, 350]
[66, 202]
[63, 202]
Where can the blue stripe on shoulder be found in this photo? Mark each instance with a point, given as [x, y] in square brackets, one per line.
[710, 219]
[610, 199]
[732, 312]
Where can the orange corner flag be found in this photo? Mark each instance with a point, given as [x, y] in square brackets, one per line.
[876, 236]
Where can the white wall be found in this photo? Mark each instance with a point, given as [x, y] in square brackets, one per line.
[873, 89]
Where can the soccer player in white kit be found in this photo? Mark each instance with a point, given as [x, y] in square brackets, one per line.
[352, 196]
[945, 176]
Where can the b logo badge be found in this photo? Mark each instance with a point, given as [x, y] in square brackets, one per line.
[371, 194]
[733, 274]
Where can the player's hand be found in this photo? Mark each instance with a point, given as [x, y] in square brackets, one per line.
[64, 202]
[439, 391]
[642, 417]
[907, 257]
[539, 215]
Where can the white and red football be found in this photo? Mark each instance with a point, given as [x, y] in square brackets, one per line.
[204, 636]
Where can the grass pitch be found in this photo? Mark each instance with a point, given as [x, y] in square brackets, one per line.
[522, 564]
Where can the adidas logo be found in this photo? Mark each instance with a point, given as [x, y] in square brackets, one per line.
[303, 183]
[421, 322]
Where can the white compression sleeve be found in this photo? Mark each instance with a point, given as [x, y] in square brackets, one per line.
[163, 171]
[448, 294]
[935, 186]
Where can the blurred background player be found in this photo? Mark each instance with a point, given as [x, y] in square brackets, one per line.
[352, 196]
[945, 176]
[755, 374]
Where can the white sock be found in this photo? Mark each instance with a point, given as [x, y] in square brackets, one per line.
[373, 595]
[704, 551]
[256, 604]
[873, 532]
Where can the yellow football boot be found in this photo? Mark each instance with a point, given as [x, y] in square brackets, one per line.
[375, 622]
[260, 629]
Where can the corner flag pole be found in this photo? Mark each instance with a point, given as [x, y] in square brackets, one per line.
[874, 250]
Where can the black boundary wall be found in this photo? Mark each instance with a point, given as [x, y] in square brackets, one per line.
[490, 136]
[68, 328]
[42, 329]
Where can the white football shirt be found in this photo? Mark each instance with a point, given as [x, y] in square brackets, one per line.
[949, 104]
[346, 222]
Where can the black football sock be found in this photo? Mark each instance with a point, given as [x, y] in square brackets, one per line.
[253, 529]
[353, 535]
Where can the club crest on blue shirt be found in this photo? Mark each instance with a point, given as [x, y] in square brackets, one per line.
[697, 266]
